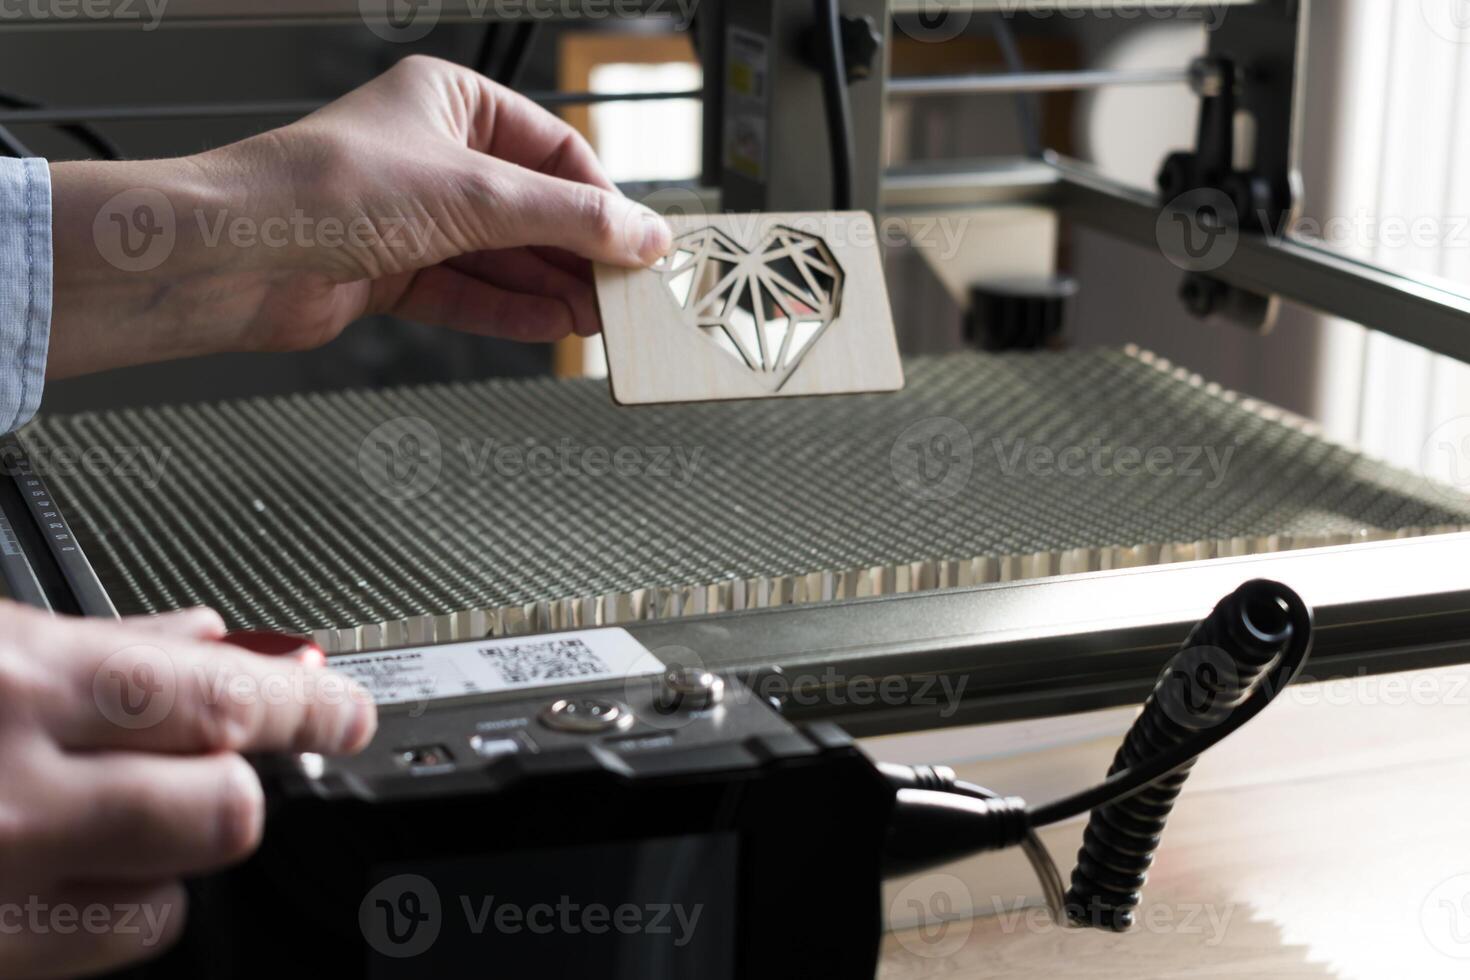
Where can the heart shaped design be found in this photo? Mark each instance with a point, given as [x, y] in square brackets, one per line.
[766, 308]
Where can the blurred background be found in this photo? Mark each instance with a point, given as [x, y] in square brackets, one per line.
[1385, 135]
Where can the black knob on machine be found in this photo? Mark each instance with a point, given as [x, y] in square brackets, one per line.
[862, 43]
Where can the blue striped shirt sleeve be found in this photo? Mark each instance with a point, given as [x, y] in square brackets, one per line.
[25, 287]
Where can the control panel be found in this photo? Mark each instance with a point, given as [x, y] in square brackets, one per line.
[467, 722]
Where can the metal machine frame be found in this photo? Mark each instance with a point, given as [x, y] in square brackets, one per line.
[1060, 644]
[1258, 37]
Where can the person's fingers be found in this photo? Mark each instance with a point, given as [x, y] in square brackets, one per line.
[517, 207]
[134, 816]
[90, 928]
[522, 270]
[201, 623]
[567, 262]
[444, 296]
[510, 126]
[490, 118]
[139, 691]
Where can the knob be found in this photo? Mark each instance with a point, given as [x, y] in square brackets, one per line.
[587, 716]
[861, 42]
[689, 689]
[1207, 77]
[1028, 313]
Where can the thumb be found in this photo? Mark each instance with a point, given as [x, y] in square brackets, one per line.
[200, 623]
[594, 223]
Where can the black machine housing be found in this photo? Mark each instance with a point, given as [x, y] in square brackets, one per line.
[471, 839]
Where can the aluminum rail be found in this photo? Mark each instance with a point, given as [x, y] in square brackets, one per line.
[1431, 315]
[1077, 643]
[133, 14]
[284, 108]
[297, 13]
[1011, 180]
[1063, 8]
[906, 87]
[1033, 81]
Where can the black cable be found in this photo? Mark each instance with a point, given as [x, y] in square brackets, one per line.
[1234, 663]
[839, 107]
[943, 779]
[1121, 785]
[930, 827]
[508, 68]
[1243, 653]
[83, 133]
[484, 58]
[1026, 103]
[513, 65]
[11, 146]
[1036, 853]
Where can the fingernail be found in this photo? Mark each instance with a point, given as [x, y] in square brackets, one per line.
[658, 238]
[200, 620]
[192, 612]
[243, 819]
[361, 723]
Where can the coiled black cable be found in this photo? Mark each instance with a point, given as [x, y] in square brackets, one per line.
[1238, 657]
[1234, 663]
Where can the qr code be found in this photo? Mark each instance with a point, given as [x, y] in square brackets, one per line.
[548, 660]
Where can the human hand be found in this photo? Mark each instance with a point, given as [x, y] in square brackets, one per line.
[120, 773]
[430, 193]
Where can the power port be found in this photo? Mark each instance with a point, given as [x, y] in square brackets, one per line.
[424, 757]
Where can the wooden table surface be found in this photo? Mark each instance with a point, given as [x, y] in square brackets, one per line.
[1329, 838]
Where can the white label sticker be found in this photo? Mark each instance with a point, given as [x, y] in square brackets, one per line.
[509, 664]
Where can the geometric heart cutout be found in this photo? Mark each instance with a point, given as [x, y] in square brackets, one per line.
[767, 308]
[752, 305]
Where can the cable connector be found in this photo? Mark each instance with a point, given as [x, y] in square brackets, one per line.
[940, 778]
[932, 827]
[994, 825]
[936, 818]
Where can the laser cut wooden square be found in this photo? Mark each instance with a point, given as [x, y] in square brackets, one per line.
[753, 306]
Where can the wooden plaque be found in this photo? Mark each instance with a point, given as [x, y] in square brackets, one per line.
[753, 306]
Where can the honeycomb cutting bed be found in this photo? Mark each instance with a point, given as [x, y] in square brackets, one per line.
[372, 518]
